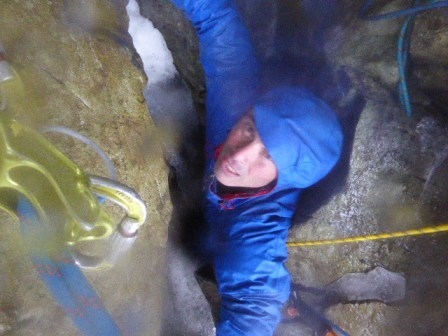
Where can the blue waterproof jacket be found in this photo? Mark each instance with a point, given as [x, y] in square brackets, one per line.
[248, 235]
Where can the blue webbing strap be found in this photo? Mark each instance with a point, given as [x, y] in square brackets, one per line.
[67, 283]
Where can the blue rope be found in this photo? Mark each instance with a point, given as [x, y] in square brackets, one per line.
[402, 58]
[67, 283]
[399, 13]
[404, 40]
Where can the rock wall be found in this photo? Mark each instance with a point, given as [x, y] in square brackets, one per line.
[80, 70]
[391, 185]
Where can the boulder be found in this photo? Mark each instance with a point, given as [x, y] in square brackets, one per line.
[80, 70]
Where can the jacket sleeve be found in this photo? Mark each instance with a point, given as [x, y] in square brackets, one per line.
[249, 316]
[254, 288]
[229, 61]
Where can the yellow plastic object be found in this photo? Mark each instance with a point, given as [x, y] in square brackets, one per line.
[13, 97]
[64, 197]
[124, 236]
[31, 167]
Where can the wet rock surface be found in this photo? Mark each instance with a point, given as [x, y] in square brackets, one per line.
[80, 70]
[393, 171]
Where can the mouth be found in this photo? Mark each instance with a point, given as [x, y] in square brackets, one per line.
[229, 168]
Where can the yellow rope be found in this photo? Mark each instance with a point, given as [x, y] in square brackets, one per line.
[377, 236]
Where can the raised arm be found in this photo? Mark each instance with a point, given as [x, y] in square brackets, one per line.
[229, 62]
[253, 281]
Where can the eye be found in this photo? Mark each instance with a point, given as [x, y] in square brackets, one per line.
[249, 130]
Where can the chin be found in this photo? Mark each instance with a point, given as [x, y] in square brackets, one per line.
[226, 181]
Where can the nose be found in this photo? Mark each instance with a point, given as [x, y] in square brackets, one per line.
[247, 154]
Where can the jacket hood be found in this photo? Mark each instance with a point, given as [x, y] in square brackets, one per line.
[301, 133]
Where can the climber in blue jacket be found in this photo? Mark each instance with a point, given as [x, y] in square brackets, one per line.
[263, 147]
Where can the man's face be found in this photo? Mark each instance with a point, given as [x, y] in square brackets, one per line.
[244, 160]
